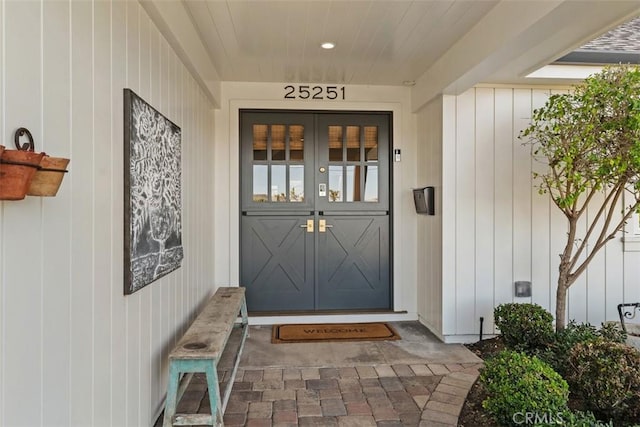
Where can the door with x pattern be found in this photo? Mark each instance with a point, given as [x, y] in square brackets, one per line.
[315, 220]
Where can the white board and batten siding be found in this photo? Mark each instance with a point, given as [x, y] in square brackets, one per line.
[429, 245]
[73, 349]
[496, 228]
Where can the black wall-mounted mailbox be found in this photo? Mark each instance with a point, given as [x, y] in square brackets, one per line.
[424, 200]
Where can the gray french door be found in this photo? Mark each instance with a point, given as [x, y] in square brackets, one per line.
[315, 226]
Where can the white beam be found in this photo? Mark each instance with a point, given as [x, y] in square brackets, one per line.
[175, 24]
[515, 38]
[565, 72]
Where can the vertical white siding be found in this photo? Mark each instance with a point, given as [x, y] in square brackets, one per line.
[73, 349]
[102, 185]
[22, 284]
[504, 230]
[119, 338]
[484, 215]
[449, 207]
[541, 261]
[429, 252]
[522, 193]
[465, 193]
[503, 194]
[56, 271]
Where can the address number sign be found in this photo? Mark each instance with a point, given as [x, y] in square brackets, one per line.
[314, 92]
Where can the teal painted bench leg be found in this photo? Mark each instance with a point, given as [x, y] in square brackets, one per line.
[176, 390]
[172, 395]
[214, 394]
[245, 314]
[245, 333]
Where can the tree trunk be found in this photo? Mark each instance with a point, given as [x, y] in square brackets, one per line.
[564, 277]
[561, 304]
[564, 281]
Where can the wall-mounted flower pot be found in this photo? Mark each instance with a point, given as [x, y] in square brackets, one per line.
[17, 169]
[48, 178]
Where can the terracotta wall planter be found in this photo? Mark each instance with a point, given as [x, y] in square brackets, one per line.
[17, 169]
[48, 178]
[25, 172]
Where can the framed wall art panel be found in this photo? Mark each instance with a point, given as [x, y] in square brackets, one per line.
[152, 194]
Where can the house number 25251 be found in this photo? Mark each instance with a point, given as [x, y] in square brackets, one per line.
[313, 92]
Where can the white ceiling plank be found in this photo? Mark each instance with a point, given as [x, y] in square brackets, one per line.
[174, 21]
[419, 16]
[220, 17]
[343, 28]
[296, 26]
[202, 18]
[383, 24]
[233, 29]
[448, 29]
[414, 50]
[316, 17]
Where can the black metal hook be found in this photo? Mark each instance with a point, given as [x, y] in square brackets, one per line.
[28, 146]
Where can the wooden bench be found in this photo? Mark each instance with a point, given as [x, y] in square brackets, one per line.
[200, 350]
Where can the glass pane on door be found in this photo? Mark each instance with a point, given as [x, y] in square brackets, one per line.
[260, 183]
[278, 183]
[371, 183]
[353, 184]
[335, 184]
[335, 144]
[296, 183]
[370, 143]
[278, 145]
[296, 142]
[260, 142]
[353, 143]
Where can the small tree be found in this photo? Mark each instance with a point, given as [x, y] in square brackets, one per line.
[590, 139]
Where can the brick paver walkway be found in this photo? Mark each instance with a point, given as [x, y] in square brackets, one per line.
[379, 395]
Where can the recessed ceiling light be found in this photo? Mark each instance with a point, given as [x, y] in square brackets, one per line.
[328, 45]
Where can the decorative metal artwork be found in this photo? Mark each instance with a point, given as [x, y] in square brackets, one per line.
[152, 194]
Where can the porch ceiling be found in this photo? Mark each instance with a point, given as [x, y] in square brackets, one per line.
[443, 45]
[376, 42]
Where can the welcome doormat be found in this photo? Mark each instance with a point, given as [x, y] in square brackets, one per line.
[332, 332]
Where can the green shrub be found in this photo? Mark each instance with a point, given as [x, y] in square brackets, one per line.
[606, 375]
[524, 326]
[582, 419]
[557, 352]
[612, 333]
[519, 384]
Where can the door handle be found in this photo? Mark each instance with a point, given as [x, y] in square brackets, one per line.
[308, 226]
[322, 226]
